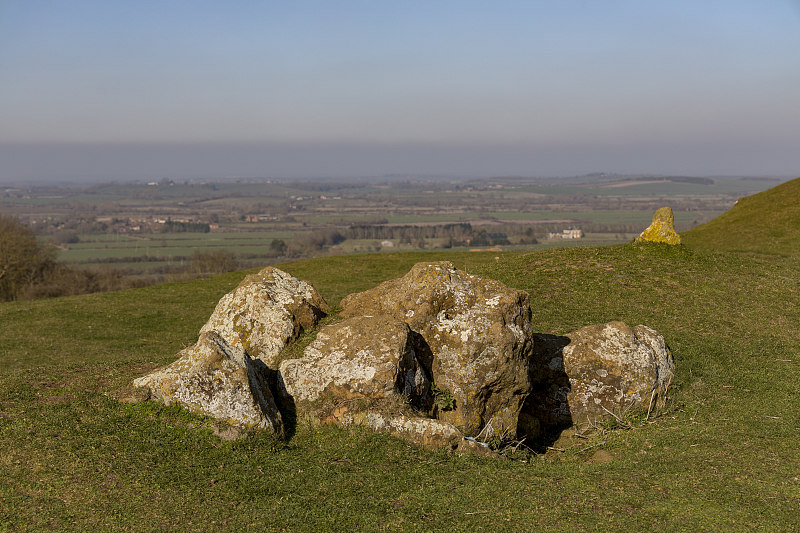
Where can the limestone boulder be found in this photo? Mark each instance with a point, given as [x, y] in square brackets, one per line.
[217, 379]
[474, 335]
[420, 430]
[264, 312]
[362, 357]
[613, 368]
[662, 229]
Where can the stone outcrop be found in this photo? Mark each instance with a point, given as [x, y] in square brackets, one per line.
[473, 334]
[361, 357]
[587, 375]
[438, 357]
[219, 380]
[662, 228]
[228, 373]
[264, 312]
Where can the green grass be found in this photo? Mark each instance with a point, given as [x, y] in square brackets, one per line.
[765, 223]
[723, 456]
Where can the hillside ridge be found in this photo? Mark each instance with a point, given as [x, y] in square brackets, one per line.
[767, 223]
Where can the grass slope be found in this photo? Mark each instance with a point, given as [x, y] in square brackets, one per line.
[723, 456]
[767, 223]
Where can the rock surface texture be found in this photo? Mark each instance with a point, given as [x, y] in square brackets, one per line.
[438, 357]
[264, 312]
[473, 334]
[219, 380]
[361, 357]
[226, 374]
[662, 228]
[425, 431]
[613, 368]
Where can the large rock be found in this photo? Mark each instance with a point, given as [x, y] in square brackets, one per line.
[361, 357]
[473, 333]
[609, 368]
[662, 228]
[219, 380]
[264, 312]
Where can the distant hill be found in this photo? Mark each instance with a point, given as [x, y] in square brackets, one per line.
[767, 222]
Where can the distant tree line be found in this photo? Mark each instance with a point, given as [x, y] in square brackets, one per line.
[170, 226]
[29, 270]
[457, 232]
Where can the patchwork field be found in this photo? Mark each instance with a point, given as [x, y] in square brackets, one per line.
[153, 230]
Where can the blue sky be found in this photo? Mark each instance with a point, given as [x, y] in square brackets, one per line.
[310, 88]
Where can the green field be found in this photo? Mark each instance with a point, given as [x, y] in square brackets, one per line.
[168, 247]
[722, 456]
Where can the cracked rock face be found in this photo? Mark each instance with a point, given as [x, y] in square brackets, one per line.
[473, 333]
[362, 357]
[264, 312]
[219, 380]
[612, 368]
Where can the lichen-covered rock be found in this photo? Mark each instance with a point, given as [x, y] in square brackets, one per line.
[613, 368]
[424, 431]
[362, 357]
[419, 430]
[475, 335]
[662, 228]
[219, 380]
[264, 312]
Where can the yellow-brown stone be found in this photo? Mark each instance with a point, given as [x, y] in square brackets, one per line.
[662, 228]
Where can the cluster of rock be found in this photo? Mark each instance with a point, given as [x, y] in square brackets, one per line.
[434, 356]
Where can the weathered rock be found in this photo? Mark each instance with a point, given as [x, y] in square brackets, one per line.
[662, 228]
[219, 380]
[424, 431]
[475, 334]
[613, 368]
[264, 312]
[419, 430]
[361, 357]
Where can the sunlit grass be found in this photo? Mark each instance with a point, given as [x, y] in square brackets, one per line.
[722, 456]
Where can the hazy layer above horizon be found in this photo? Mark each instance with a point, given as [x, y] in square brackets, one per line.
[34, 163]
[91, 89]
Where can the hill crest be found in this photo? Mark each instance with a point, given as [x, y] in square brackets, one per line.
[767, 222]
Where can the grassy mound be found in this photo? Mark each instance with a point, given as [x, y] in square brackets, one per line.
[765, 223]
[723, 456]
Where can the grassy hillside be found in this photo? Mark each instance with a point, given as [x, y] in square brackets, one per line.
[767, 223]
[723, 456]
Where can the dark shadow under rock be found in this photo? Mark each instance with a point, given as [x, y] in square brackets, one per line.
[545, 413]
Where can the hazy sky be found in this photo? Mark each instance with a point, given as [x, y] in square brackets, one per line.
[99, 88]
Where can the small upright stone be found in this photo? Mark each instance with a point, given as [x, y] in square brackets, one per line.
[662, 228]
